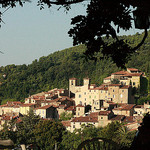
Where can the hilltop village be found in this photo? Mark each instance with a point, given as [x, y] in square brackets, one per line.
[88, 104]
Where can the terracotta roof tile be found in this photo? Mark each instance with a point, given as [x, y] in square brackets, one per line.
[73, 79]
[71, 108]
[129, 119]
[27, 105]
[66, 123]
[85, 119]
[125, 107]
[105, 113]
[94, 114]
[45, 107]
[118, 117]
[120, 73]
[79, 105]
[133, 69]
[108, 78]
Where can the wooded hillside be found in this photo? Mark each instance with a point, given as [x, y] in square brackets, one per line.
[54, 70]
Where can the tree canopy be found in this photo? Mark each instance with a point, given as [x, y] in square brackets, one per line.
[99, 21]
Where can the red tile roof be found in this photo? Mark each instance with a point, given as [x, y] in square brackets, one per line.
[94, 114]
[129, 119]
[79, 105]
[6, 118]
[128, 107]
[85, 119]
[27, 105]
[105, 113]
[66, 123]
[45, 107]
[118, 117]
[73, 79]
[132, 69]
[71, 108]
[125, 107]
[108, 78]
[120, 73]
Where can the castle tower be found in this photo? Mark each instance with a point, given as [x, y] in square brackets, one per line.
[72, 85]
[86, 81]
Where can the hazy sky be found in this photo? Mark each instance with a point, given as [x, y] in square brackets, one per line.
[30, 33]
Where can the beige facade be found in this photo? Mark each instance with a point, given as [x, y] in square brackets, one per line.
[89, 94]
[104, 118]
[130, 77]
[76, 123]
[25, 108]
[127, 110]
[80, 110]
[47, 111]
[139, 110]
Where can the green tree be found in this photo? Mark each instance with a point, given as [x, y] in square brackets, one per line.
[66, 116]
[8, 131]
[124, 137]
[48, 134]
[70, 141]
[25, 134]
[109, 131]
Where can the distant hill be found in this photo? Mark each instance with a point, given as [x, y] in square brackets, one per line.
[54, 70]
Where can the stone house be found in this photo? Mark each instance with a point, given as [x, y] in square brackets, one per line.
[80, 110]
[48, 111]
[124, 109]
[25, 108]
[131, 76]
[88, 94]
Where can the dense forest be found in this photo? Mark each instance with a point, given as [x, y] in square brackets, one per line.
[54, 70]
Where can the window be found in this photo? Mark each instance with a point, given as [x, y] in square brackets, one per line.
[73, 126]
[90, 96]
[78, 109]
[97, 103]
[113, 96]
[79, 95]
[101, 91]
[78, 114]
[101, 117]
[122, 90]
[133, 83]
[80, 103]
[71, 82]
[94, 96]
[85, 99]
[84, 93]
[113, 90]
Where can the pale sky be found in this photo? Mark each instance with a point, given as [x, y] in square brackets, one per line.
[30, 33]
